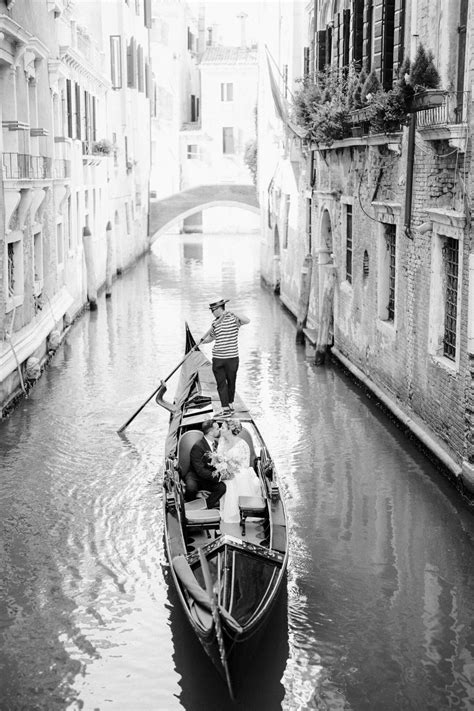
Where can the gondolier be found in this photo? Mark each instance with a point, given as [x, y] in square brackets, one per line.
[225, 352]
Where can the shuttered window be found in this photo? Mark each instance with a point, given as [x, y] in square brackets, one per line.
[321, 49]
[131, 64]
[147, 16]
[346, 36]
[78, 111]
[116, 61]
[69, 107]
[306, 62]
[228, 140]
[140, 69]
[368, 35]
[357, 31]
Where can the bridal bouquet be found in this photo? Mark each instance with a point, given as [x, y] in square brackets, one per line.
[221, 466]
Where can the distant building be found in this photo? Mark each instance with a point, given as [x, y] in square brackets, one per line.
[174, 46]
[75, 82]
[214, 141]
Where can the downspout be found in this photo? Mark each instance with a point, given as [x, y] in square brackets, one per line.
[410, 167]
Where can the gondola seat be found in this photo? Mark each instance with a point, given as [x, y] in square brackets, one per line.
[247, 437]
[255, 506]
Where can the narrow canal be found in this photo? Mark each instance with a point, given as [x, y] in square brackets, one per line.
[381, 583]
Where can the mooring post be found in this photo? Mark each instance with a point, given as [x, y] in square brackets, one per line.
[89, 257]
[326, 314]
[109, 261]
[303, 302]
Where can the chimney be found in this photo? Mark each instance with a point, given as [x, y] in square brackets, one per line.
[209, 37]
[201, 30]
[243, 40]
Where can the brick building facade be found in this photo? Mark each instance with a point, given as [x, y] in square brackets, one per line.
[389, 212]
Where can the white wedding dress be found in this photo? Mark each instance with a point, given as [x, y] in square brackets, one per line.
[244, 483]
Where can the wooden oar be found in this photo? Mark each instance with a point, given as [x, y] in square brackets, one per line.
[162, 382]
[217, 621]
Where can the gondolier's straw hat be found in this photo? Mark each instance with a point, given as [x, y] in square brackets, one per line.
[216, 304]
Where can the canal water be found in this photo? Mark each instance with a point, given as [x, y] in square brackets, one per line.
[380, 598]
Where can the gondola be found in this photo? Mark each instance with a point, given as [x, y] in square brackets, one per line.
[227, 576]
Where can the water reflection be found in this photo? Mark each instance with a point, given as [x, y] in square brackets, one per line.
[380, 587]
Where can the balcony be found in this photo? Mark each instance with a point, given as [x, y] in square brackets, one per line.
[448, 121]
[22, 166]
[61, 168]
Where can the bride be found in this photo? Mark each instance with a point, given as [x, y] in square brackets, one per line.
[245, 482]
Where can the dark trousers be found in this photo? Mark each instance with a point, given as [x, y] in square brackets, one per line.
[225, 373]
[194, 484]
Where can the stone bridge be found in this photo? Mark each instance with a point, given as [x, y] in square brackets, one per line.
[164, 212]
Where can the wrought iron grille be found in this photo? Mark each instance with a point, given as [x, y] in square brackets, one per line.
[349, 243]
[451, 263]
[390, 236]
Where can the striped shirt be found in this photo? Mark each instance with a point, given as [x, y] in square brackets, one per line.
[226, 333]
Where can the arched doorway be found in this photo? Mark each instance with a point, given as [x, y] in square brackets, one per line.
[325, 236]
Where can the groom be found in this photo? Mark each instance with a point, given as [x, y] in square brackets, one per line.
[201, 472]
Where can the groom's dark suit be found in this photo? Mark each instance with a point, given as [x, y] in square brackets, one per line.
[200, 474]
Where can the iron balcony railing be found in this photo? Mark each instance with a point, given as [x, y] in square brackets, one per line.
[22, 166]
[453, 110]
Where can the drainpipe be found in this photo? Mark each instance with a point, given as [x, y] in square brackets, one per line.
[410, 166]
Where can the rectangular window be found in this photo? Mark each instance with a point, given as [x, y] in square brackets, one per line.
[116, 61]
[228, 141]
[38, 257]
[227, 91]
[193, 108]
[127, 218]
[14, 268]
[309, 226]
[141, 82]
[59, 243]
[192, 152]
[78, 111]
[306, 62]
[390, 237]
[357, 31]
[286, 216]
[349, 243]
[69, 108]
[131, 64]
[451, 267]
[147, 13]
[388, 43]
[346, 33]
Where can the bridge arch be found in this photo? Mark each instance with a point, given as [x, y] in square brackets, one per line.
[165, 212]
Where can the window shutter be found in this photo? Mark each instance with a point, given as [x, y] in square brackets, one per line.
[357, 30]
[328, 44]
[78, 111]
[368, 31]
[338, 41]
[399, 33]
[321, 49]
[378, 35]
[346, 35]
[69, 107]
[147, 13]
[129, 65]
[306, 62]
[94, 119]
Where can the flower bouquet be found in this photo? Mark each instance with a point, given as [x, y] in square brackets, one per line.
[222, 470]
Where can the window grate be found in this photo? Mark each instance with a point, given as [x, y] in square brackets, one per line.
[11, 268]
[390, 236]
[349, 243]
[451, 263]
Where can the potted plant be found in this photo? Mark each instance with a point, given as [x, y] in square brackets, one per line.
[102, 147]
[424, 79]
